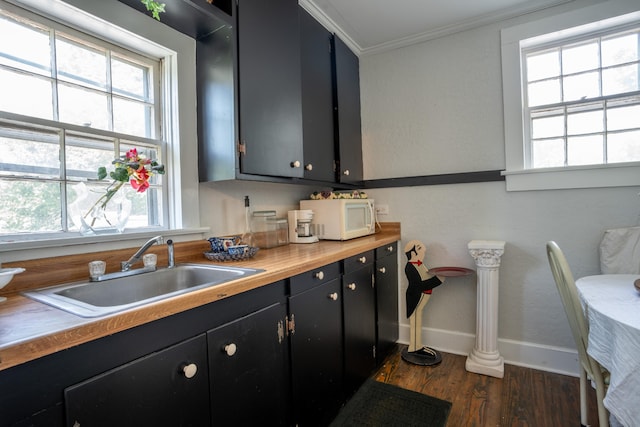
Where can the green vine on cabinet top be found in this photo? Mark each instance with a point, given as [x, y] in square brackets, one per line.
[154, 7]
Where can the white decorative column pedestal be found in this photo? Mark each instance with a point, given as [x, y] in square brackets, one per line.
[485, 358]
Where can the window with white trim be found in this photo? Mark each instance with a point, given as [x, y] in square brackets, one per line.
[571, 89]
[70, 104]
[582, 100]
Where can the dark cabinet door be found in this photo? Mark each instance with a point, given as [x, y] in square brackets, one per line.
[359, 327]
[249, 370]
[270, 102]
[347, 102]
[316, 354]
[317, 100]
[167, 388]
[386, 284]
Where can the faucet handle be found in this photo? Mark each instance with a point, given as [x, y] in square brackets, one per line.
[170, 254]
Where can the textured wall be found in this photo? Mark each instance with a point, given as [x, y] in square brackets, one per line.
[436, 107]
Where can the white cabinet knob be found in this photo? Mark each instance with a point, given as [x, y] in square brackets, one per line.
[362, 259]
[230, 349]
[389, 248]
[346, 172]
[352, 286]
[333, 296]
[320, 275]
[309, 167]
[382, 270]
[190, 370]
[295, 164]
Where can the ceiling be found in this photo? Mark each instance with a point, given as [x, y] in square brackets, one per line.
[370, 26]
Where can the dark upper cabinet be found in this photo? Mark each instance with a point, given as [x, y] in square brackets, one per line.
[348, 132]
[270, 102]
[317, 100]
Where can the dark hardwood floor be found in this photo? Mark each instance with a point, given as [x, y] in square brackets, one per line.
[524, 397]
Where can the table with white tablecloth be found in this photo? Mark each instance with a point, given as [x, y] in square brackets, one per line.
[612, 306]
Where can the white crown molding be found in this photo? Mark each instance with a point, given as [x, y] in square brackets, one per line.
[469, 24]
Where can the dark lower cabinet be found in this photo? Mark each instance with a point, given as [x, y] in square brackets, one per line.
[167, 388]
[316, 353]
[249, 370]
[289, 353]
[386, 284]
[358, 306]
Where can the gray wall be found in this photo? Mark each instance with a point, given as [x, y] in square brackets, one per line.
[436, 107]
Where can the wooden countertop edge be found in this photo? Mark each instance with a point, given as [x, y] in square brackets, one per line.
[55, 330]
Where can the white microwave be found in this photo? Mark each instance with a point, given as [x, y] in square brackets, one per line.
[341, 219]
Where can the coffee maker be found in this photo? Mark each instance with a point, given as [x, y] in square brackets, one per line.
[300, 227]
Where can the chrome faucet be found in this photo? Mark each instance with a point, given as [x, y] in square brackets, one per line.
[126, 265]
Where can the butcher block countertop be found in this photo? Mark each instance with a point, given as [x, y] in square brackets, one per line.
[30, 329]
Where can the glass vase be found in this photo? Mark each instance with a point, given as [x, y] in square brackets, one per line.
[91, 216]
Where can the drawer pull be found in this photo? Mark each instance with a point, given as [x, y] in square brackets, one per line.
[389, 248]
[230, 349]
[352, 286]
[319, 275]
[309, 167]
[362, 259]
[295, 164]
[190, 370]
[382, 270]
[333, 296]
[346, 172]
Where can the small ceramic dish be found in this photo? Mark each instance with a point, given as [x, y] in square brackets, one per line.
[221, 244]
[6, 274]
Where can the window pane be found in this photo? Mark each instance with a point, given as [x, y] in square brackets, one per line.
[27, 153]
[585, 122]
[132, 118]
[130, 80]
[27, 48]
[29, 206]
[548, 153]
[623, 117]
[580, 58]
[585, 150]
[543, 65]
[545, 92]
[547, 127]
[623, 147]
[620, 79]
[24, 94]
[86, 155]
[81, 64]
[83, 107]
[618, 50]
[581, 86]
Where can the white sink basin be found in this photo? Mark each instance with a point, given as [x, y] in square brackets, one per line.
[92, 299]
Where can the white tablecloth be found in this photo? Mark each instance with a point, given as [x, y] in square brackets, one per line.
[612, 306]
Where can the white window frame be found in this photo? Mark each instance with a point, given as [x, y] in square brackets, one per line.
[112, 20]
[571, 24]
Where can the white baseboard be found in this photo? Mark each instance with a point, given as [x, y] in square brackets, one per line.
[536, 356]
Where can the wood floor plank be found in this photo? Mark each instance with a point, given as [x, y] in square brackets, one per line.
[524, 397]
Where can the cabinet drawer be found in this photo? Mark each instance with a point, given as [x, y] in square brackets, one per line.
[386, 250]
[357, 261]
[313, 278]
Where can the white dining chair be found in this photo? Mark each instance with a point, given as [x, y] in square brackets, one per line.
[589, 368]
